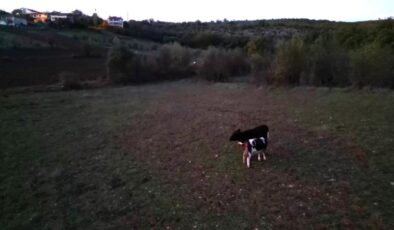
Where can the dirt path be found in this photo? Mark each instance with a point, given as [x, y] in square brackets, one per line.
[183, 138]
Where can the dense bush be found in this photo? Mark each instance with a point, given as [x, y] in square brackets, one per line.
[205, 39]
[260, 66]
[357, 35]
[174, 60]
[117, 64]
[214, 66]
[170, 61]
[372, 65]
[327, 64]
[289, 63]
[219, 64]
[259, 45]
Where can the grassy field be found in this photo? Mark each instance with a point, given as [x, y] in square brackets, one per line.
[365, 119]
[158, 156]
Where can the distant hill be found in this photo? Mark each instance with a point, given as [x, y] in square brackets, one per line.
[286, 51]
[36, 56]
[231, 34]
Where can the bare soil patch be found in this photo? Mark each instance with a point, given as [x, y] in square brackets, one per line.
[183, 138]
[30, 67]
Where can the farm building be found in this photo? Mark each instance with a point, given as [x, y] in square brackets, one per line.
[16, 21]
[115, 21]
[7, 19]
[32, 16]
[58, 17]
[61, 18]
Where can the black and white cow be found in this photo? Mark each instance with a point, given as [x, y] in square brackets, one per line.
[254, 141]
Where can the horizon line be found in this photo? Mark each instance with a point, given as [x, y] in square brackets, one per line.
[212, 20]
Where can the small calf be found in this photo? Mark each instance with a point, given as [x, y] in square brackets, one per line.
[253, 141]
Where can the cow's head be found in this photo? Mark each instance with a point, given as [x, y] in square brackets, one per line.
[236, 136]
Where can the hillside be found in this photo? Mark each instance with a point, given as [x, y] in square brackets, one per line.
[286, 51]
[37, 56]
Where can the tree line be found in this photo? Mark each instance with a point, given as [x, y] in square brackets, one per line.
[280, 52]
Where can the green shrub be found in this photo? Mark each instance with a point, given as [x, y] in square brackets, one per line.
[219, 64]
[357, 35]
[257, 45]
[117, 64]
[214, 66]
[237, 62]
[260, 67]
[372, 65]
[327, 64]
[140, 68]
[289, 63]
[206, 39]
[170, 61]
[173, 60]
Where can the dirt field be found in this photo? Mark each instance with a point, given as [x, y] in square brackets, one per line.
[37, 57]
[29, 67]
[158, 156]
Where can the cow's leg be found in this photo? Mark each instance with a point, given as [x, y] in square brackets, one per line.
[258, 156]
[244, 156]
[248, 161]
[264, 155]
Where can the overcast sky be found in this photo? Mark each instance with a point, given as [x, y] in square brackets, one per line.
[208, 10]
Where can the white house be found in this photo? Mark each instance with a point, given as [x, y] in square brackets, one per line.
[61, 18]
[16, 21]
[58, 17]
[115, 21]
[33, 16]
[26, 11]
